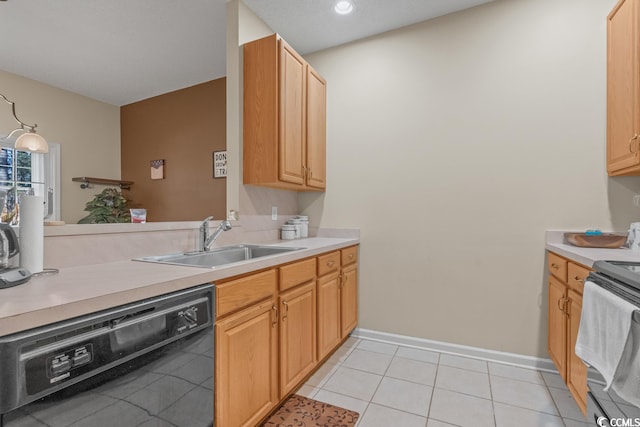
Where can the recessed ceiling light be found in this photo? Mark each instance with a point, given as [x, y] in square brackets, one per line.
[343, 7]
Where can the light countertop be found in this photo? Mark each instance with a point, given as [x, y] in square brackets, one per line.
[76, 291]
[554, 242]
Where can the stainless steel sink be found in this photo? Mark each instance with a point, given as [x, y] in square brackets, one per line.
[220, 256]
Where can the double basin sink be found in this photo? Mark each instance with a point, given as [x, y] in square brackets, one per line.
[220, 256]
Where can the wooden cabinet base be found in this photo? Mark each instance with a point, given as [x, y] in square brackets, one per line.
[566, 282]
[272, 328]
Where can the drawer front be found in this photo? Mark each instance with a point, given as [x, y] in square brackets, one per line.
[576, 275]
[349, 255]
[328, 263]
[557, 266]
[295, 274]
[240, 293]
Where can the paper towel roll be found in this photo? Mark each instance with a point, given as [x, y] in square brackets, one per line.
[32, 233]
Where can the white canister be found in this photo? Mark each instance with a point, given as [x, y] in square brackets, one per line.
[304, 222]
[288, 232]
[634, 236]
[298, 225]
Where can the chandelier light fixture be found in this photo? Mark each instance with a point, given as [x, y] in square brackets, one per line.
[29, 140]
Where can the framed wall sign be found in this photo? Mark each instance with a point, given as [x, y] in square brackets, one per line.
[157, 169]
[220, 164]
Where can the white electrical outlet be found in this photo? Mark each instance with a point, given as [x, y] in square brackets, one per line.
[274, 213]
[636, 200]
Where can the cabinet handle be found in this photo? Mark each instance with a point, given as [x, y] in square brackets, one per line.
[286, 310]
[310, 173]
[635, 138]
[330, 263]
[350, 256]
[340, 277]
[578, 279]
[275, 316]
[562, 301]
[554, 266]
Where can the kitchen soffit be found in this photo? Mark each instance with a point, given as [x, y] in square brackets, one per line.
[122, 51]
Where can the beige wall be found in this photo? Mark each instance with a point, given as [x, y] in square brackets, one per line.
[453, 144]
[253, 203]
[87, 130]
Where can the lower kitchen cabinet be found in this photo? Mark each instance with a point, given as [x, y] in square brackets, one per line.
[349, 298]
[297, 336]
[557, 331]
[337, 297]
[298, 320]
[272, 329]
[329, 329]
[246, 380]
[576, 369]
[246, 352]
[566, 284]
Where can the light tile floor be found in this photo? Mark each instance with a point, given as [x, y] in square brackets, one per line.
[391, 385]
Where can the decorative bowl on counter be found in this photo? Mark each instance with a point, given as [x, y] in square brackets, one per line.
[605, 240]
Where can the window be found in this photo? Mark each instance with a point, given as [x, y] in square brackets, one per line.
[22, 173]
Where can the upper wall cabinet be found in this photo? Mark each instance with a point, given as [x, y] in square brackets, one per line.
[623, 89]
[284, 121]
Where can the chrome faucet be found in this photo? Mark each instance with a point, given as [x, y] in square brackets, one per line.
[205, 240]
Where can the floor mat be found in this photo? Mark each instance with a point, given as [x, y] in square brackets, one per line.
[300, 411]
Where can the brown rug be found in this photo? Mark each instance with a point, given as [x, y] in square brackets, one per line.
[299, 411]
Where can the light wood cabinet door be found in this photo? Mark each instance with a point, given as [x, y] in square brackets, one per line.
[623, 89]
[576, 369]
[349, 299]
[316, 129]
[246, 386]
[297, 335]
[329, 328]
[284, 118]
[292, 128]
[557, 325]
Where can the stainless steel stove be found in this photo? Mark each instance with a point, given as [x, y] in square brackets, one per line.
[606, 408]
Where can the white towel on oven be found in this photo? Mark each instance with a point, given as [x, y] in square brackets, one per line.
[606, 337]
[626, 381]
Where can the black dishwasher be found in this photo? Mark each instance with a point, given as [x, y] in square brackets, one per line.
[148, 363]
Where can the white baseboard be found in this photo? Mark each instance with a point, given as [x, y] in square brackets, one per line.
[514, 359]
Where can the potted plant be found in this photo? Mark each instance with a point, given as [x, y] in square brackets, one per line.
[109, 206]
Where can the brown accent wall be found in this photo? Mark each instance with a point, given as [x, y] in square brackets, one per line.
[184, 128]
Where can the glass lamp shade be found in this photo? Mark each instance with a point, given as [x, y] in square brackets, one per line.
[31, 141]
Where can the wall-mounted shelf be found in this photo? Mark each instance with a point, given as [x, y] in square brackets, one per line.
[85, 181]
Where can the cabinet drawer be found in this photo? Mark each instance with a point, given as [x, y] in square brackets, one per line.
[557, 266]
[328, 263]
[576, 275]
[295, 274]
[240, 293]
[349, 255]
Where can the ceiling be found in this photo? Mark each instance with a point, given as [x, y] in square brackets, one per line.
[122, 51]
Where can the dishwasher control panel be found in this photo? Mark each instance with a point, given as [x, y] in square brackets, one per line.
[60, 365]
[61, 355]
